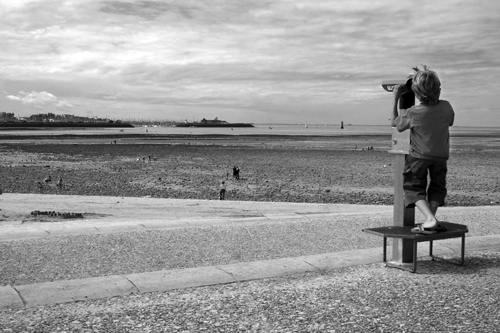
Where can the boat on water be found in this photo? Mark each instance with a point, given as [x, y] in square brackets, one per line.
[213, 123]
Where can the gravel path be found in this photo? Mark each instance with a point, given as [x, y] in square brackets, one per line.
[371, 298]
[73, 257]
[81, 256]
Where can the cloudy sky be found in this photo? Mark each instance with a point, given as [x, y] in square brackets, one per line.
[262, 61]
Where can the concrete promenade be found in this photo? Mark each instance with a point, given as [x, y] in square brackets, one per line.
[115, 214]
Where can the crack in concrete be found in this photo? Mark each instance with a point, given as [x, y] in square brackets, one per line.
[229, 273]
[132, 283]
[316, 268]
[19, 294]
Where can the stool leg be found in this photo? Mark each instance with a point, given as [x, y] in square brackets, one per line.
[462, 255]
[385, 249]
[430, 250]
[414, 256]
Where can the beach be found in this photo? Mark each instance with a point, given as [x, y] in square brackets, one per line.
[279, 168]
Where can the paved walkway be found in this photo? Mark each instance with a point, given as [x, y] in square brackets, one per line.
[111, 214]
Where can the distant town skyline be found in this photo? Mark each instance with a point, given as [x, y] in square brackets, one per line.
[265, 61]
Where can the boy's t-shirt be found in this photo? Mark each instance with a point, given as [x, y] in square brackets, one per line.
[429, 129]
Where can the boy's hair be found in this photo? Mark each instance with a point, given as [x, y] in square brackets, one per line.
[426, 85]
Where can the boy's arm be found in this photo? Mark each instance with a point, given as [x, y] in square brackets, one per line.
[400, 118]
[397, 92]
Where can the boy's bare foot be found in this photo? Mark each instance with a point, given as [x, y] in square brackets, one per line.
[430, 224]
[419, 229]
[434, 226]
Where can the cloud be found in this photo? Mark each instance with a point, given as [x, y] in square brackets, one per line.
[39, 99]
[264, 54]
[13, 98]
[144, 9]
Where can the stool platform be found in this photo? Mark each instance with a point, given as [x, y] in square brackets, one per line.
[454, 231]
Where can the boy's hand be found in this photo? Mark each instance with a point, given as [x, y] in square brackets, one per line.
[397, 92]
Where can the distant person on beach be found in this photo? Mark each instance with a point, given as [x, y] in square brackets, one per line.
[234, 171]
[222, 191]
[429, 124]
[237, 173]
[60, 184]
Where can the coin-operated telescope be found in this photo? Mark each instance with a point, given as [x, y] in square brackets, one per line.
[400, 141]
[400, 147]
[407, 99]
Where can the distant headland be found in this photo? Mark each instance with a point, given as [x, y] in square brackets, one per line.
[36, 124]
[50, 120]
[44, 120]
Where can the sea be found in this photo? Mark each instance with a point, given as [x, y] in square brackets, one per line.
[258, 129]
[462, 137]
[488, 137]
[306, 130]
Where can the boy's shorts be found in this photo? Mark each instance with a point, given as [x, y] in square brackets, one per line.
[415, 180]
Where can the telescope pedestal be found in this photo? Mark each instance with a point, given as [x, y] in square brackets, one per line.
[402, 249]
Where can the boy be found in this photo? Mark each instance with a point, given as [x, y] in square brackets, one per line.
[429, 124]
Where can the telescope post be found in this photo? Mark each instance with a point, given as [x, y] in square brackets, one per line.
[402, 249]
